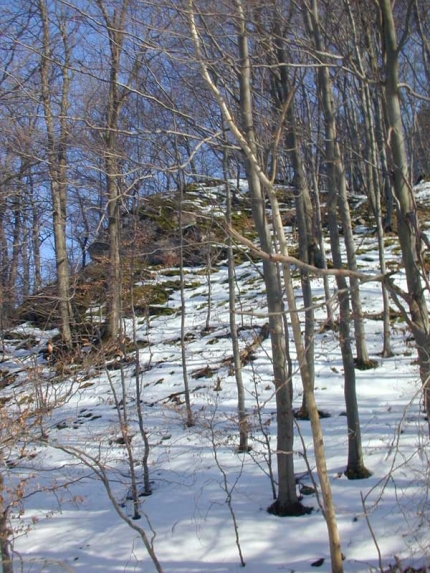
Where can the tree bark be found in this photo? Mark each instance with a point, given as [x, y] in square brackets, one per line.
[287, 501]
[57, 165]
[237, 363]
[337, 196]
[6, 564]
[190, 420]
[304, 214]
[407, 220]
[115, 31]
[372, 175]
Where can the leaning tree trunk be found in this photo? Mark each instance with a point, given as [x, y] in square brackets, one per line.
[306, 372]
[329, 511]
[287, 497]
[407, 219]
[308, 389]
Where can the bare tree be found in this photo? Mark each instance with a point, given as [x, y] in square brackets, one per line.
[372, 180]
[57, 136]
[114, 23]
[284, 95]
[287, 502]
[237, 365]
[407, 220]
[337, 196]
[190, 420]
[5, 550]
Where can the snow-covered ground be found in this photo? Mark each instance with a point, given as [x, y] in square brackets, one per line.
[67, 522]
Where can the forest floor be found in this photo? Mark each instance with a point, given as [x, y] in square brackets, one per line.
[65, 521]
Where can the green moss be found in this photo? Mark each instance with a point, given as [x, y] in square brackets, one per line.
[191, 188]
[193, 285]
[253, 280]
[204, 271]
[364, 250]
[161, 311]
[240, 257]
[169, 286]
[145, 295]
[240, 219]
[389, 241]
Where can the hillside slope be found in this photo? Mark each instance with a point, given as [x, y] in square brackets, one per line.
[68, 431]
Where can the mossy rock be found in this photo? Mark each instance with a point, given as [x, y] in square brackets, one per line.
[149, 297]
[193, 285]
[242, 222]
[161, 311]
[192, 187]
[40, 309]
[214, 182]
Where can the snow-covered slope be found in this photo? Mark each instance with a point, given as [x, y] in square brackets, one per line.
[199, 481]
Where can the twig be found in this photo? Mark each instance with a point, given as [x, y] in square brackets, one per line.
[372, 533]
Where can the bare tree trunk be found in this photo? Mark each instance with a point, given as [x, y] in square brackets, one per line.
[6, 564]
[147, 489]
[17, 247]
[241, 406]
[113, 300]
[407, 219]
[375, 201]
[336, 182]
[319, 243]
[380, 121]
[4, 263]
[373, 180]
[287, 502]
[309, 397]
[190, 420]
[25, 255]
[35, 237]
[305, 371]
[304, 214]
[338, 179]
[209, 285]
[421, 18]
[115, 31]
[56, 153]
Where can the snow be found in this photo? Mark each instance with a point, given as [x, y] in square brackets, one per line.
[67, 522]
